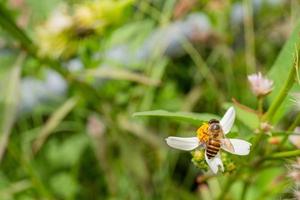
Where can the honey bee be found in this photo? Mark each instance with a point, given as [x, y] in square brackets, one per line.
[216, 139]
[211, 137]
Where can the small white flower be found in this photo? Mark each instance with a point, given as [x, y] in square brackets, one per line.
[296, 100]
[294, 171]
[260, 85]
[295, 138]
[234, 146]
[59, 20]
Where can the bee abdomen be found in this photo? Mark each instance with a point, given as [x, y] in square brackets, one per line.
[213, 148]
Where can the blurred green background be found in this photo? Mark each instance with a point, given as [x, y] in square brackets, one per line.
[73, 73]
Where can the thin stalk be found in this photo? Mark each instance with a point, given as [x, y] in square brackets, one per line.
[256, 143]
[244, 191]
[146, 8]
[167, 12]
[285, 154]
[7, 22]
[249, 36]
[14, 188]
[203, 68]
[260, 103]
[282, 94]
[259, 136]
[200, 63]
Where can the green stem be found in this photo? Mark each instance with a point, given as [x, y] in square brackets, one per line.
[282, 95]
[256, 143]
[249, 36]
[285, 154]
[7, 22]
[260, 102]
[206, 73]
[245, 188]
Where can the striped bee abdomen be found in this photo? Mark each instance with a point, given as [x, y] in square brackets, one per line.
[212, 148]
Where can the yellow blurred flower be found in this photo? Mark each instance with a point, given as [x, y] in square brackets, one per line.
[60, 35]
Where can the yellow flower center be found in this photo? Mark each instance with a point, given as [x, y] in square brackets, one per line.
[202, 133]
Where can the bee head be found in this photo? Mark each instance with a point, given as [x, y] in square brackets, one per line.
[214, 126]
[213, 121]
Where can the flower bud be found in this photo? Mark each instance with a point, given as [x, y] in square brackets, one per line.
[199, 161]
[274, 140]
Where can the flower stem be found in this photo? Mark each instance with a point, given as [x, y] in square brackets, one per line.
[245, 188]
[249, 35]
[285, 154]
[260, 102]
[282, 94]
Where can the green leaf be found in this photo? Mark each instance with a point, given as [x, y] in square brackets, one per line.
[193, 118]
[64, 185]
[68, 152]
[11, 93]
[119, 74]
[248, 118]
[280, 70]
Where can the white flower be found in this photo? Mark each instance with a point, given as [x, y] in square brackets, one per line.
[295, 138]
[59, 20]
[234, 146]
[296, 100]
[260, 85]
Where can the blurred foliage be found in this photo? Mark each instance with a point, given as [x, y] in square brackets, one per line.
[74, 72]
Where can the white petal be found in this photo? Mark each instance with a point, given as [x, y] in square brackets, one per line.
[295, 138]
[227, 120]
[241, 147]
[187, 144]
[214, 163]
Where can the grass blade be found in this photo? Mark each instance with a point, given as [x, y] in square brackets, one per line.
[11, 101]
[8, 24]
[120, 74]
[281, 68]
[54, 120]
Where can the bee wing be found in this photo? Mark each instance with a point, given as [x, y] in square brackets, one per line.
[227, 145]
[236, 146]
[186, 144]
